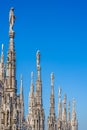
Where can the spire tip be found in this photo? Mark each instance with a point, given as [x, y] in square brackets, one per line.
[32, 77]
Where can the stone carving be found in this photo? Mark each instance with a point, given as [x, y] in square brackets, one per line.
[12, 103]
[11, 19]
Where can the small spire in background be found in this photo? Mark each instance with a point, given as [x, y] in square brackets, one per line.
[52, 83]
[59, 94]
[73, 104]
[64, 101]
[38, 65]
[32, 77]
[2, 54]
[69, 106]
[38, 57]
[69, 111]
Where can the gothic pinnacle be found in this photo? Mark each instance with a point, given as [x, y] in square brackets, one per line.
[73, 109]
[59, 94]
[59, 104]
[11, 25]
[11, 58]
[21, 86]
[69, 111]
[52, 100]
[64, 102]
[11, 19]
[73, 104]
[32, 82]
[64, 114]
[69, 107]
[2, 54]
[38, 57]
[32, 77]
[52, 83]
[38, 65]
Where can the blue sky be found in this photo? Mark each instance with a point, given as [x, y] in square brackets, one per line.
[58, 28]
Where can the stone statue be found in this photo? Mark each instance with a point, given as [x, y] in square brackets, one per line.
[52, 79]
[11, 19]
[38, 58]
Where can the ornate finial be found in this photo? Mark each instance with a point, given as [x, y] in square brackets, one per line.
[64, 101]
[73, 104]
[52, 79]
[65, 97]
[2, 54]
[38, 57]
[59, 93]
[69, 106]
[52, 83]
[38, 65]
[32, 77]
[73, 110]
[11, 19]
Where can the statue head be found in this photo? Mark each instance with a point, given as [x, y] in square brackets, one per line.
[12, 8]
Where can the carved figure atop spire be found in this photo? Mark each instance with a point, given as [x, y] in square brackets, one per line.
[52, 83]
[38, 65]
[11, 19]
[38, 58]
[52, 79]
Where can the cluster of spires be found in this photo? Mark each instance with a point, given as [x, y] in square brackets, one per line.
[8, 71]
[65, 120]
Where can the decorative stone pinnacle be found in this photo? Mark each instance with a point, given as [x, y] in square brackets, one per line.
[69, 106]
[2, 54]
[65, 97]
[38, 58]
[52, 83]
[11, 19]
[73, 104]
[32, 77]
[52, 79]
[59, 94]
[38, 52]
[64, 101]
